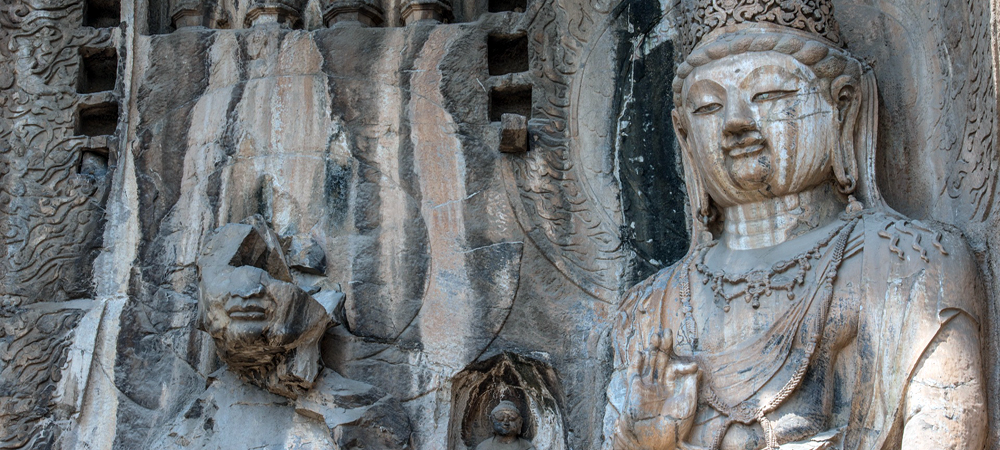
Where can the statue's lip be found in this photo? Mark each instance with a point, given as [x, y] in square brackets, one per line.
[247, 311]
[747, 150]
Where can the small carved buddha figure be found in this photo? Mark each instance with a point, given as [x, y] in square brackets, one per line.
[807, 313]
[507, 424]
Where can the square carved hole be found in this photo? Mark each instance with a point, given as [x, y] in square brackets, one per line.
[98, 120]
[508, 5]
[507, 54]
[102, 13]
[98, 70]
[510, 100]
[94, 162]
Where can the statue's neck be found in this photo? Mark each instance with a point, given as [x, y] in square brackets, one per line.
[506, 439]
[773, 221]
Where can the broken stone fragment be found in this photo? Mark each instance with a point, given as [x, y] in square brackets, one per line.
[357, 414]
[306, 255]
[265, 328]
[513, 133]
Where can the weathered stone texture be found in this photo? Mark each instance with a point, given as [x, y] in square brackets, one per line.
[376, 144]
[477, 260]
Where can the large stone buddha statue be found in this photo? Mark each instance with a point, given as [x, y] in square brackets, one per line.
[807, 314]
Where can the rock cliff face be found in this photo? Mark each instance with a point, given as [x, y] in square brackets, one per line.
[377, 148]
[377, 143]
[368, 136]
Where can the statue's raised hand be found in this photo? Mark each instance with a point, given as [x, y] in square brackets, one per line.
[661, 399]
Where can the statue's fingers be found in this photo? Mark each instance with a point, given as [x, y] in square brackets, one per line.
[689, 386]
[657, 355]
[667, 342]
[686, 369]
[666, 366]
[655, 339]
[690, 395]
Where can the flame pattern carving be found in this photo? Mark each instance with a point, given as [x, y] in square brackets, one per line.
[50, 213]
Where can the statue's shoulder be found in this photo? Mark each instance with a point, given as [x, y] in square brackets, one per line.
[899, 249]
[645, 302]
[641, 295]
[915, 242]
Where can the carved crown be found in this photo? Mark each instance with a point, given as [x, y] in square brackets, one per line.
[700, 19]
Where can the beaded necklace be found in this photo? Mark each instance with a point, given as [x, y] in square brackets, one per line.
[761, 282]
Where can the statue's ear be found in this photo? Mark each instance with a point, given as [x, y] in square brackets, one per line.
[847, 100]
[700, 203]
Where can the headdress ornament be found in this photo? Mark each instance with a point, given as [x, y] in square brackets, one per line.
[702, 20]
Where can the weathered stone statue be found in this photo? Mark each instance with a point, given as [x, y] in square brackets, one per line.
[265, 327]
[267, 330]
[801, 317]
[507, 424]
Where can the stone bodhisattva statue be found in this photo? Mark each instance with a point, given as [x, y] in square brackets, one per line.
[807, 313]
[507, 424]
[274, 391]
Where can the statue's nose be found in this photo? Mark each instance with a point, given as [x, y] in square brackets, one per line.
[738, 119]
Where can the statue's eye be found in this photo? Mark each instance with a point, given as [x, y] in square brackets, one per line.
[773, 95]
[708, 109]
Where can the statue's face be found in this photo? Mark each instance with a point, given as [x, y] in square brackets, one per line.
[245, 305]
[507, 423]
[759, 125]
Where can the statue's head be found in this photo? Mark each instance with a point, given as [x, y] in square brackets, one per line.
[767, 103]
[506, 419]
[265, 327]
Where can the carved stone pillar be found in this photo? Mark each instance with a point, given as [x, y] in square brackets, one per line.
[356, 12]
[431, 10]
[284, 13]
[186, 13]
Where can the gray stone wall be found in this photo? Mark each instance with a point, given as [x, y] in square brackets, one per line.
[470, 274]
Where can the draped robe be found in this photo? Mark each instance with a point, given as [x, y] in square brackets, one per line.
[901, 282]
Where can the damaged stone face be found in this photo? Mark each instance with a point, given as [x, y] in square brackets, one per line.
[266, 328]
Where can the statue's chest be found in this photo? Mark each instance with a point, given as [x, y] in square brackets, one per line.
[767, 305]
[750, 356]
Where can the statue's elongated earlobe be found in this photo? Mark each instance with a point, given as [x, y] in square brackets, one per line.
[846, 100]
[700, 203]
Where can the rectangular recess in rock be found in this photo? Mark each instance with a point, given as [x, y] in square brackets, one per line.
[507, 54]
[510, 100]
[97, 120]
[508, 5]
[102, 13]
[98, 70]
[93, 162]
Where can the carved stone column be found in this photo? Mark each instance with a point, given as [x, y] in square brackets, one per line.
[285, 13]
[356, 12]
[431, 10]
[186, 13]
